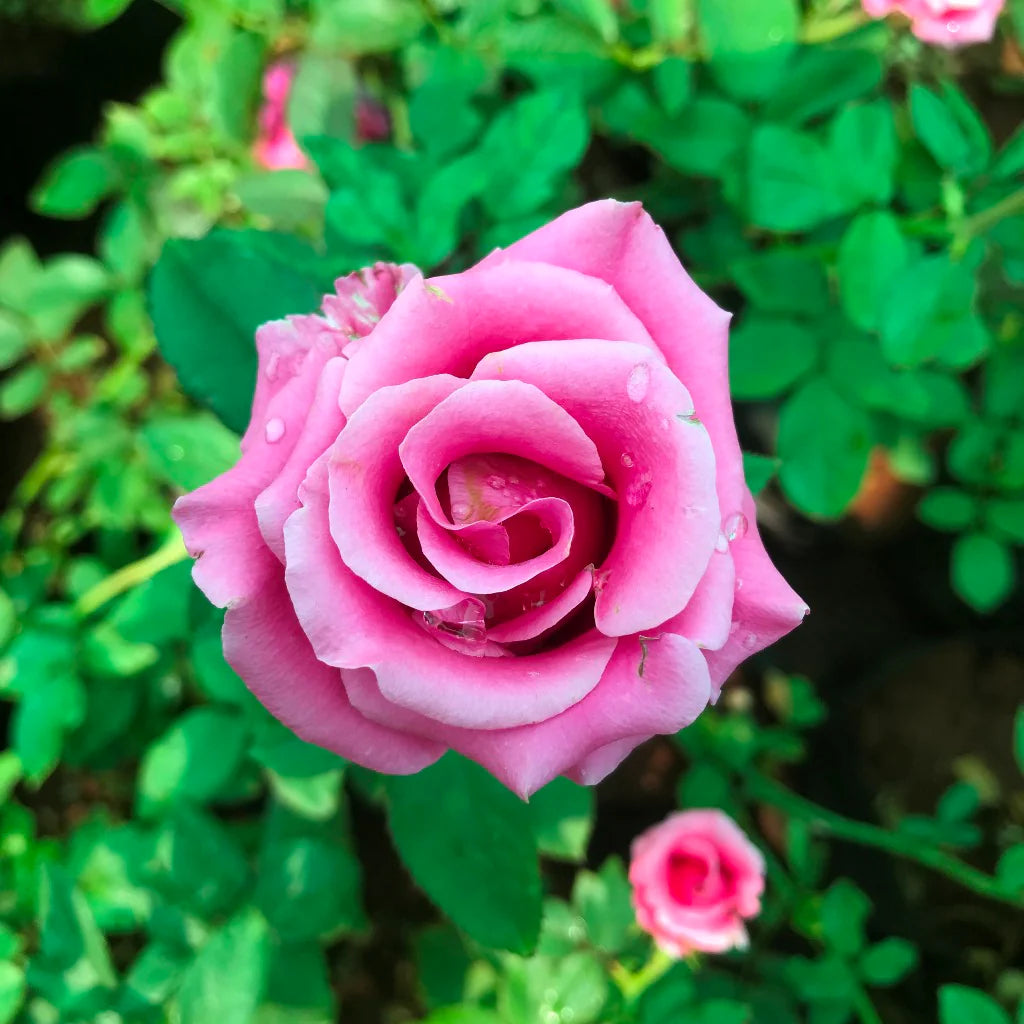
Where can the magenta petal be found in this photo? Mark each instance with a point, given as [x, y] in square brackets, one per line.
[266, 647]
[365, 473]
[707, 617]
[496, 416]
[659, 460]
[351, 625]
[447, 324]
[535, 621]
[765, 609]
[620, 244]
[671, 692]
[467, 573]
[324, 420]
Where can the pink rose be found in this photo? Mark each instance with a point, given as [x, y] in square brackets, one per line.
[695, 878]
[943, 22]
[276, 147]
[501, 511]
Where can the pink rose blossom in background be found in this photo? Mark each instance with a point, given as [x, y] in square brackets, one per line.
[696, 877]
[943, 22]
[276, 147]
[501, 512]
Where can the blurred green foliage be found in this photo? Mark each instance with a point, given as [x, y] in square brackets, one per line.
[168, 852]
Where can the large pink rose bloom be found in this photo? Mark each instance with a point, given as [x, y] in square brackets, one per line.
[943, 22]
[695, 878]
[501, 512]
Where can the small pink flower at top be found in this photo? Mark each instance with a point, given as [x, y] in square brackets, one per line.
[276, 148]
[947, 23]
[695, 878]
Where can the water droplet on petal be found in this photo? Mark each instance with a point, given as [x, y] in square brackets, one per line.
[721, 544]
[749, 641]
[627, 460]
[460, 511]
[739, 583]
[735, 526]
[953, 27]
[274, 430]
[600, 579]
[639, 490]
[496, 482]
[638, 382]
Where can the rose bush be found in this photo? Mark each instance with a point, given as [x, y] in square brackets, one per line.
[501, 511]
[695, 878]
[943, 22]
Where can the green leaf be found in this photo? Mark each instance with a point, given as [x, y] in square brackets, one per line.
[871, 255]
[322, 101]
[824, 443]
[768, 355]
[153, 978]
[1004, 517]
[704, 138]
[961, 1005]
[950, 129]
[193, 760]
[298, 989]
[783, 281]
[670, 20]
[1018, 738]
[982, 571]
[758, 471]
[12, 991]
[604, 901]
[288, 199]
[563, 816]
[207, 298]
[366, 26]
[573, 987]
[75, 183]
[748, 43]
[102, 12]
[864, 149]
[189, 451]
[528, 147]
[489, 883]
[888, 962]
[820, 78]
[225, 982]
[844, 911]
[673, 84]
[1010, 161]
[788, 180]
[1010, 868]
[14, 339]
[309, 888]
[948, 508]
[22, 391]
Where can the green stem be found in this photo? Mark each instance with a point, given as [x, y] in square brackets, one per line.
[829, 823]
[823, 31]
[633, 984]
[169, 553]
[864, 1007]
[983, 221]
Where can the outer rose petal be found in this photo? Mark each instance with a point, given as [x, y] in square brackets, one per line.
[447, 324]
[351, 625]
[266, 647]
[586, 738]
[707, 617]
[765, 609]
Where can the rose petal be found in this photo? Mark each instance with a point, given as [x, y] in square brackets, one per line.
[350, 625]
[266, 647]
[661, 465]
[365, 473]
[707, 617]
[447, 324]
[669, 694]
[548, 614]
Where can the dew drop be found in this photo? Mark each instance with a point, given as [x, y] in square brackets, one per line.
[953, 27]
[600, 579]
[274, 430]
[739, 583]
[627, 460]
[496, 482]
[721, 544]
[639, 490]
[460, 511]
[735, 526]
[638, 382]
[749, 641]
